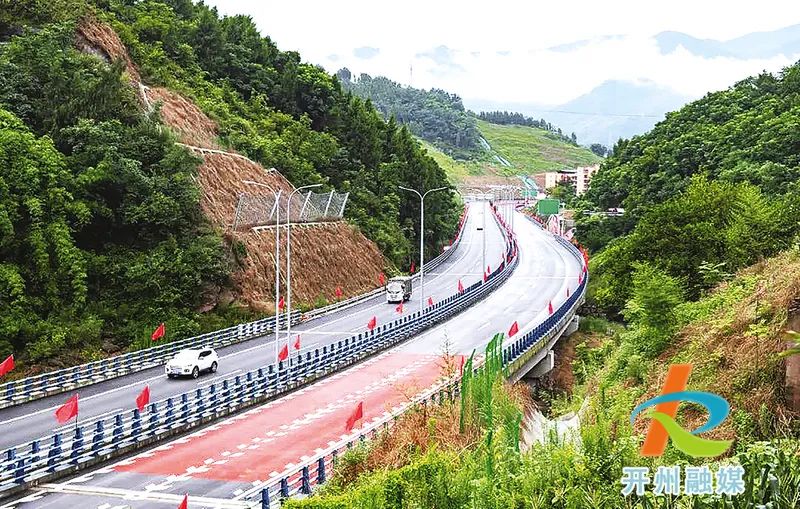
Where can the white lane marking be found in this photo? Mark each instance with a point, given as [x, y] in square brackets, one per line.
[68, 427]
[213, 380]
[259, 346]
[151, 496]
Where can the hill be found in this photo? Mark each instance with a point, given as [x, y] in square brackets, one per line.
[434, 115]
[711, 189]
[531, 150]
[512, 151]
[110, 226]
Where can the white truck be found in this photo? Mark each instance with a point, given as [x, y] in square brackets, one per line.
[398, 289]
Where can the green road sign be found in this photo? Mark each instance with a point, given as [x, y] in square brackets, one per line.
[547, 207]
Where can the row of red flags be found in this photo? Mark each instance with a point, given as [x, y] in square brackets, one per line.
[69, 410]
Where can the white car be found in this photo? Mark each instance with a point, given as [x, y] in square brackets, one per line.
[191, 362]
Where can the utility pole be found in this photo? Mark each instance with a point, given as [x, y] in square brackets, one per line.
[277, 196]
[422, 240]
[289, 260]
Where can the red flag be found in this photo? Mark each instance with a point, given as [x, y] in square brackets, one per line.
[513, 330]
[281, 304]
[412, 266]
[550, 307]
[185, 503]
[399, 308]
[381, 279]
[68, 410]
[580, 279]
[7, 365]
[372, 323]
[158, 333]
[430, 301]
[488, 269]
[584, 269]
[356, 416]
[297, 343]
[485, 277]
[143, 398]
[339, 292]
[284, 353]
[568, 292]
[460, 287]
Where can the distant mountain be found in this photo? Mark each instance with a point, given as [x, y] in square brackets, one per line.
[612, 110]
[785, 41]
[616, 109]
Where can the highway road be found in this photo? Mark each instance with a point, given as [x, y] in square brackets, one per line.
[223, 461]
[33, 420]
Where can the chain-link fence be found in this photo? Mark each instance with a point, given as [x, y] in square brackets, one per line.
[262, 210]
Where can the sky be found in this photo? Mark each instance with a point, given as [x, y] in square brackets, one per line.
[521, 52]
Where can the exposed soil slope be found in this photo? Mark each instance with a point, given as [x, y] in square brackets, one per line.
[324, 256]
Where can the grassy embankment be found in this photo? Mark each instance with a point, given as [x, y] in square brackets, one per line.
[733, 337]
[528, 150]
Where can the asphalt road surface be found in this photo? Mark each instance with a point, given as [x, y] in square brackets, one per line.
[224, 460]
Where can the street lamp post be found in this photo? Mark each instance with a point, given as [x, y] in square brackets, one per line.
[277, 196]
[422, 240]
[289, 259]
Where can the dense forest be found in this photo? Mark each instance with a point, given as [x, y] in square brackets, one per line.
[514, 118]
[102, 234]
[711, 189]
[434, 115]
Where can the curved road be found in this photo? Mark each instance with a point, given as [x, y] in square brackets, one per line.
[33, 420]
[224, 460]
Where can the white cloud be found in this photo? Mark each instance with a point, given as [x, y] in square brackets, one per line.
[478, 35]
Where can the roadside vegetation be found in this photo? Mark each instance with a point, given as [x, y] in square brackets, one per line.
[428, 460]
[703, 268]
[101, 233]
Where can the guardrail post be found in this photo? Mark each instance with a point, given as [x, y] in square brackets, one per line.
[35, 448]
[305, 485]
[19, 473]
[54, 452]
[153, 419]
[185, 406]
[201, 404]
[10, 392]
[137, 424]
[212, 392]
[284, 488]
[11, 455]
[116, 435]
[321, 471]
[265, 498]
[170, 412]
[97, 439]
[77, 445]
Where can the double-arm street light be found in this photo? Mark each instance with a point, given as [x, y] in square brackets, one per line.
[277, 196]
[289, 259]
[422, 239]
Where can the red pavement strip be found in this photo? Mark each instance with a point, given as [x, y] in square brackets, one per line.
[252, 446]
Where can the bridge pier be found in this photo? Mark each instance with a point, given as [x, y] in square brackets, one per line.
[544, 360]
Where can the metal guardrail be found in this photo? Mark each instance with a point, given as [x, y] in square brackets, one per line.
[55, 382]
[36, 387]
[61, 454]
[300, 480]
